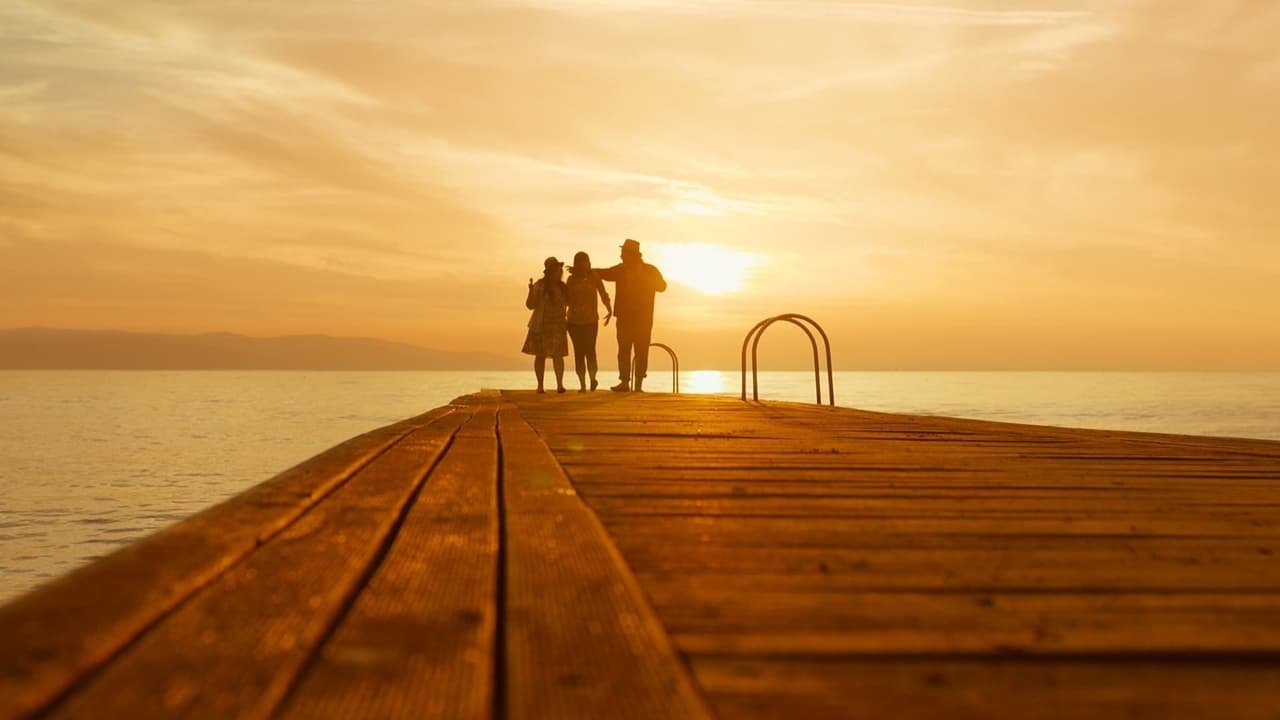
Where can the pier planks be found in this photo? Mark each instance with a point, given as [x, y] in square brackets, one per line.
[419, 640]
[234, 649]
[54, 637]
[581, 640]
[811, 562]
[522, 555]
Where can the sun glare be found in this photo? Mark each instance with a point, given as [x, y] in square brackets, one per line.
[709, 269]
[703, 382]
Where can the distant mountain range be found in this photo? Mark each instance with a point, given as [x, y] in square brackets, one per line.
[46, 348]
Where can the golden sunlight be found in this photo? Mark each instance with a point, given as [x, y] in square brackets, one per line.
[703, 382]
[710, 269]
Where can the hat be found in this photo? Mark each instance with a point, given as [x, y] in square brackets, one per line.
[552, 264]
[629, 244]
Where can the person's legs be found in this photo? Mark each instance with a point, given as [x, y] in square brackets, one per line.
[557, 362]
[641, 337]
[592, 333]
[581, 346]
[539, 369]
[624, 356]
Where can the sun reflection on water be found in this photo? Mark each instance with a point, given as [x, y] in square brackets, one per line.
[705, 382]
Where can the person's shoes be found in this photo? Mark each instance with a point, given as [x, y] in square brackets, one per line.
[638, 388]
[594, 384]
[560, 390]
[582, 389]
[623, 386]
[541, 391]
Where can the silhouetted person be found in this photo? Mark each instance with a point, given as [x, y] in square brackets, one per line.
[548, 299]
[584, 317]
[637, 282]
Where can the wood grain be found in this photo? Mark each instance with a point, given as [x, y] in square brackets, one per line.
[643, 556]
[817, 562]
[237, 646]
[581, 640]
[983, 687]
[419, 640]
[56, 635]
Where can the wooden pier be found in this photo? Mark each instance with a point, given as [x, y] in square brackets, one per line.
[652, 556]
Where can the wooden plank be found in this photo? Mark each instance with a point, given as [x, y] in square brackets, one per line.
[715, 415]
[692, 531]
[419, 640]
[1102, 506]
[580, 639]
[236, 648]
[57, 634]
[1101, 568]
[837, 530]
[766, 620]
[972, 687]
[884, 486]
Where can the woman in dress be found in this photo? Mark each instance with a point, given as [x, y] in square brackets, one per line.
[584, 317]
[548, 299]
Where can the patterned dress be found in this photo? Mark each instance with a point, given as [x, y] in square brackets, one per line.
[548, 334]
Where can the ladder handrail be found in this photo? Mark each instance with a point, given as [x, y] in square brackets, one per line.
[755, 358]
[743, 357]
[753, 338]
[675, 367]
[826, 344]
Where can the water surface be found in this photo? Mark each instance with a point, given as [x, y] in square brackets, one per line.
[92, 460]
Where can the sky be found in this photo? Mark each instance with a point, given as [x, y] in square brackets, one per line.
[964, 184]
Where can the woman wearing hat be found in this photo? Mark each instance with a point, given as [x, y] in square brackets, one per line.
[548, 337]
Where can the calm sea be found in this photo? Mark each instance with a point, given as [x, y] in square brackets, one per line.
[92, 460]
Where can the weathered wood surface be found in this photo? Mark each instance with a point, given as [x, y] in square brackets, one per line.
[419, 639]
[522, 555]
[581, 640]
[233, 650]
[815, 562]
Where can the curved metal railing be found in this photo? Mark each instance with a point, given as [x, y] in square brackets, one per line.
[803, 322]
[675, 367]
[756, 333]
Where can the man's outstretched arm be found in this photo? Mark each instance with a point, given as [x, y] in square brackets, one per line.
[609, 273]
[604, 295]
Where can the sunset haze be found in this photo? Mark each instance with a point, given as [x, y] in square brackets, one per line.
[968, 184]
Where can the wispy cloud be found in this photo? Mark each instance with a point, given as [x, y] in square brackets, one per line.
[823, 10]
[879, 152]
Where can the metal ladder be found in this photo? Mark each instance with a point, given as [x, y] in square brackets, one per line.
[675, 367]
[803, 322]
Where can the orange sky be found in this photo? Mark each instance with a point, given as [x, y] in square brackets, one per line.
[962, 184]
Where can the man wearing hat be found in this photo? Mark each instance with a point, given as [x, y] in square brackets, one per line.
[637, 283]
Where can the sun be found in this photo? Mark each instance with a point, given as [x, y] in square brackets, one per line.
[709, 269]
